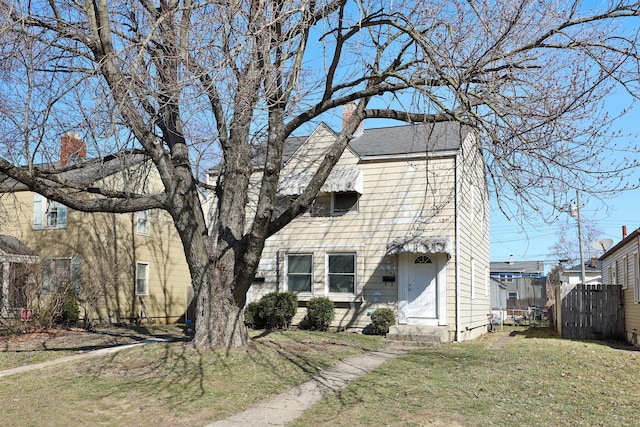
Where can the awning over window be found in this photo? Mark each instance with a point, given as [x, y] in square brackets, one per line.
[339, 181]
[421, 244]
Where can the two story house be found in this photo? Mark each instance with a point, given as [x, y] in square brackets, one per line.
[401, 222]
[124, 267]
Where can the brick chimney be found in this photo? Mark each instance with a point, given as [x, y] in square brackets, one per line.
[347, 111]
[72, 148]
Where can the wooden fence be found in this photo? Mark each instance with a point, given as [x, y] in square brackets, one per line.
[590, 311]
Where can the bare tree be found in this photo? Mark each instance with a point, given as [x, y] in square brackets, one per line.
[566, 249]
[182, 80]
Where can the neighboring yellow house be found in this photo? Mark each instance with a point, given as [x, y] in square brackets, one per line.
[620, 266]
[401, 222]
[125, 267]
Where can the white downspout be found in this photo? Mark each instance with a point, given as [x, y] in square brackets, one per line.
[457, 237]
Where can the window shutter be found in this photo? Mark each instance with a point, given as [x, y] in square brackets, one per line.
[62, 216]
[37, 211]
[76, 277]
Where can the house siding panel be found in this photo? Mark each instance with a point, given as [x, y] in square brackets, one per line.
[617, 255]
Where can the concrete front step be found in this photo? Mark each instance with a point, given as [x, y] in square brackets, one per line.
[415, 336]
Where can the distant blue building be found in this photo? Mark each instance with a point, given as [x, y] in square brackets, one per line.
[525, 281]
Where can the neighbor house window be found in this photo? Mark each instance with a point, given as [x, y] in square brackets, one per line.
[60, 273]
[48, 214]
[144, 226]
[299, 273]
[142, 278]
[341, 273]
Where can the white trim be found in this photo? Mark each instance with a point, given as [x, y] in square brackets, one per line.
[323, 246]
[412, 156]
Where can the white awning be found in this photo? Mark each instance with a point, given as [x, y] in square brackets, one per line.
[338, 181]
[421, 244]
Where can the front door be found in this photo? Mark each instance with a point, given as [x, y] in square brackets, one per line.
[422, 293]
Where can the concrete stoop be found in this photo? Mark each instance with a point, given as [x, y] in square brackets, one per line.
[416, 336]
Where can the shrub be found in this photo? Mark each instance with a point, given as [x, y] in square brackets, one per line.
[382, 319]
[252, 318]
[70, 310]
[277, 309]
[320, 313]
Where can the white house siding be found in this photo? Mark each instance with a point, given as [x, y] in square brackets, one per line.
[394, 204]
[620, 266]
[473, 244]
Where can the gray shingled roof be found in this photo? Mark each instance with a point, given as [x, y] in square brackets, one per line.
[587, 266]
[87, 172]
[523, 267]
[387, 141]
[9, 245]
[410, 139]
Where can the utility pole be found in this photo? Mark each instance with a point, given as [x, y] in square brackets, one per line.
[582, 268]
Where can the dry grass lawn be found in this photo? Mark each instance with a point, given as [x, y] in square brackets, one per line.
[532, 378]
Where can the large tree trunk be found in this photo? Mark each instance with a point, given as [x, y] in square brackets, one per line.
[219, 319]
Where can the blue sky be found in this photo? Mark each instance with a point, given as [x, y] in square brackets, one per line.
[532, 242]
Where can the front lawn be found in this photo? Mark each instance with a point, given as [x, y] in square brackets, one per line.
[535, 380]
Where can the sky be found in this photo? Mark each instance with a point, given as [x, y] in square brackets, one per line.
[532, 242]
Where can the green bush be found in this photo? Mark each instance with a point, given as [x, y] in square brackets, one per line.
[382, 319]
[277, 309]
[320, 313]
[70, 310]
[251, 317]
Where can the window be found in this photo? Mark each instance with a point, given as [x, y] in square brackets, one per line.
[344, 202]
[299, 273]
[335, 204]
[144, 226]
[513, 295]
[58, 273]
[341, 273]
[48, 214]
[142, 278]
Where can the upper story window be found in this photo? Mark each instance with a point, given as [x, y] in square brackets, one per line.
[48, 214]
[144, 225]
[335, 204]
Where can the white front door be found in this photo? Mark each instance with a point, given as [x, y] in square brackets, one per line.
[422, 295]
[422, 290]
